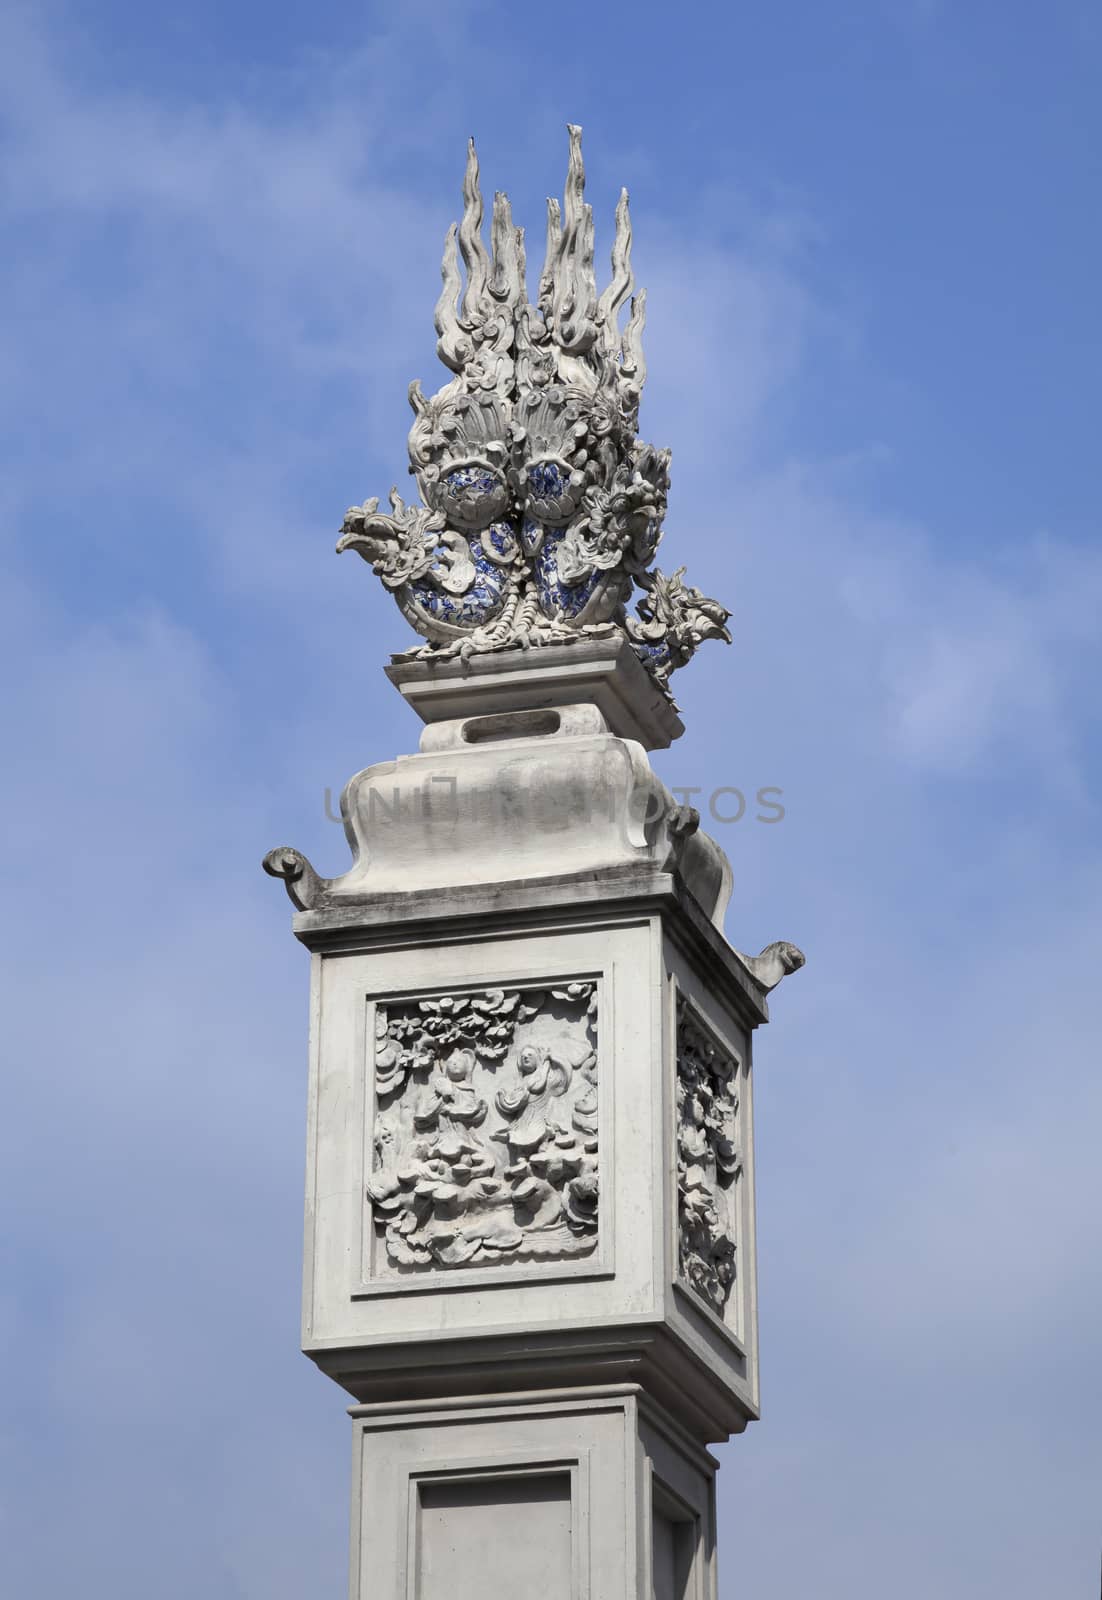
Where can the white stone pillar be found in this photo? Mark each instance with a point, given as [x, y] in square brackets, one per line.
[530, 1252]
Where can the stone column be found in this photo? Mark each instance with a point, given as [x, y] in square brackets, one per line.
[530, 1197]
[530, 1208]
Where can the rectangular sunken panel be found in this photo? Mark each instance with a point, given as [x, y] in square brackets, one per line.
[484, 1137]
[709, 1160]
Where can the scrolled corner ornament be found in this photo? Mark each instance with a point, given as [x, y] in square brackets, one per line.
[542, 510]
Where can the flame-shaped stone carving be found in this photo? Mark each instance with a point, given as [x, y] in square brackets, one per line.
[542, 509]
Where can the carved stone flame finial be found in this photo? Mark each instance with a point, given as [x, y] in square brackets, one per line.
[542, 509]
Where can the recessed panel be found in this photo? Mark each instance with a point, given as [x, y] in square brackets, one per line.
[709, 1163]
[503, 1538]
[483, 1130]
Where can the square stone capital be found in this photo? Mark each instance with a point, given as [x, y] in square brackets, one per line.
[531, 1160]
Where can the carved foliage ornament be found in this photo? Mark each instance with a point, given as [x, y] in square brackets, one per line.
[709, 1162]
[542, 510]
[485, 1128]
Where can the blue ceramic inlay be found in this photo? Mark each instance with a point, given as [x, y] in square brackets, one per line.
[502, 538]
[547, 480]
[472, 478]
[555, 595]
[481, 602]
[653, 655]
[531, 535]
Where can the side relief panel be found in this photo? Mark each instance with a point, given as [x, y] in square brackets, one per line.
[709, 1160]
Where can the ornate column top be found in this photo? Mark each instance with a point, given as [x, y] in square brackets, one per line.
[541, 508]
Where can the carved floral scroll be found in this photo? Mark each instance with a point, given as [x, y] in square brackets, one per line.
[709, 1162]
[484, 1144]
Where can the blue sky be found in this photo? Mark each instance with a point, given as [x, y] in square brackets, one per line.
[870, 235]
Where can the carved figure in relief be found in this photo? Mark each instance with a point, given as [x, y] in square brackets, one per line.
[447, 1188]
[543, 1078]
[450, 1107]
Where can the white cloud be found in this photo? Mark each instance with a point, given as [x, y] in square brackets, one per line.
[998, 659]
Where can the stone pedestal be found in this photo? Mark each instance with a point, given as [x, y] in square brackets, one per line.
[530, 1204]
[543, 1496]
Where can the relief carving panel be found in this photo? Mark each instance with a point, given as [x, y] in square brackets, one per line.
[709, 1162]
[484, 1143]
